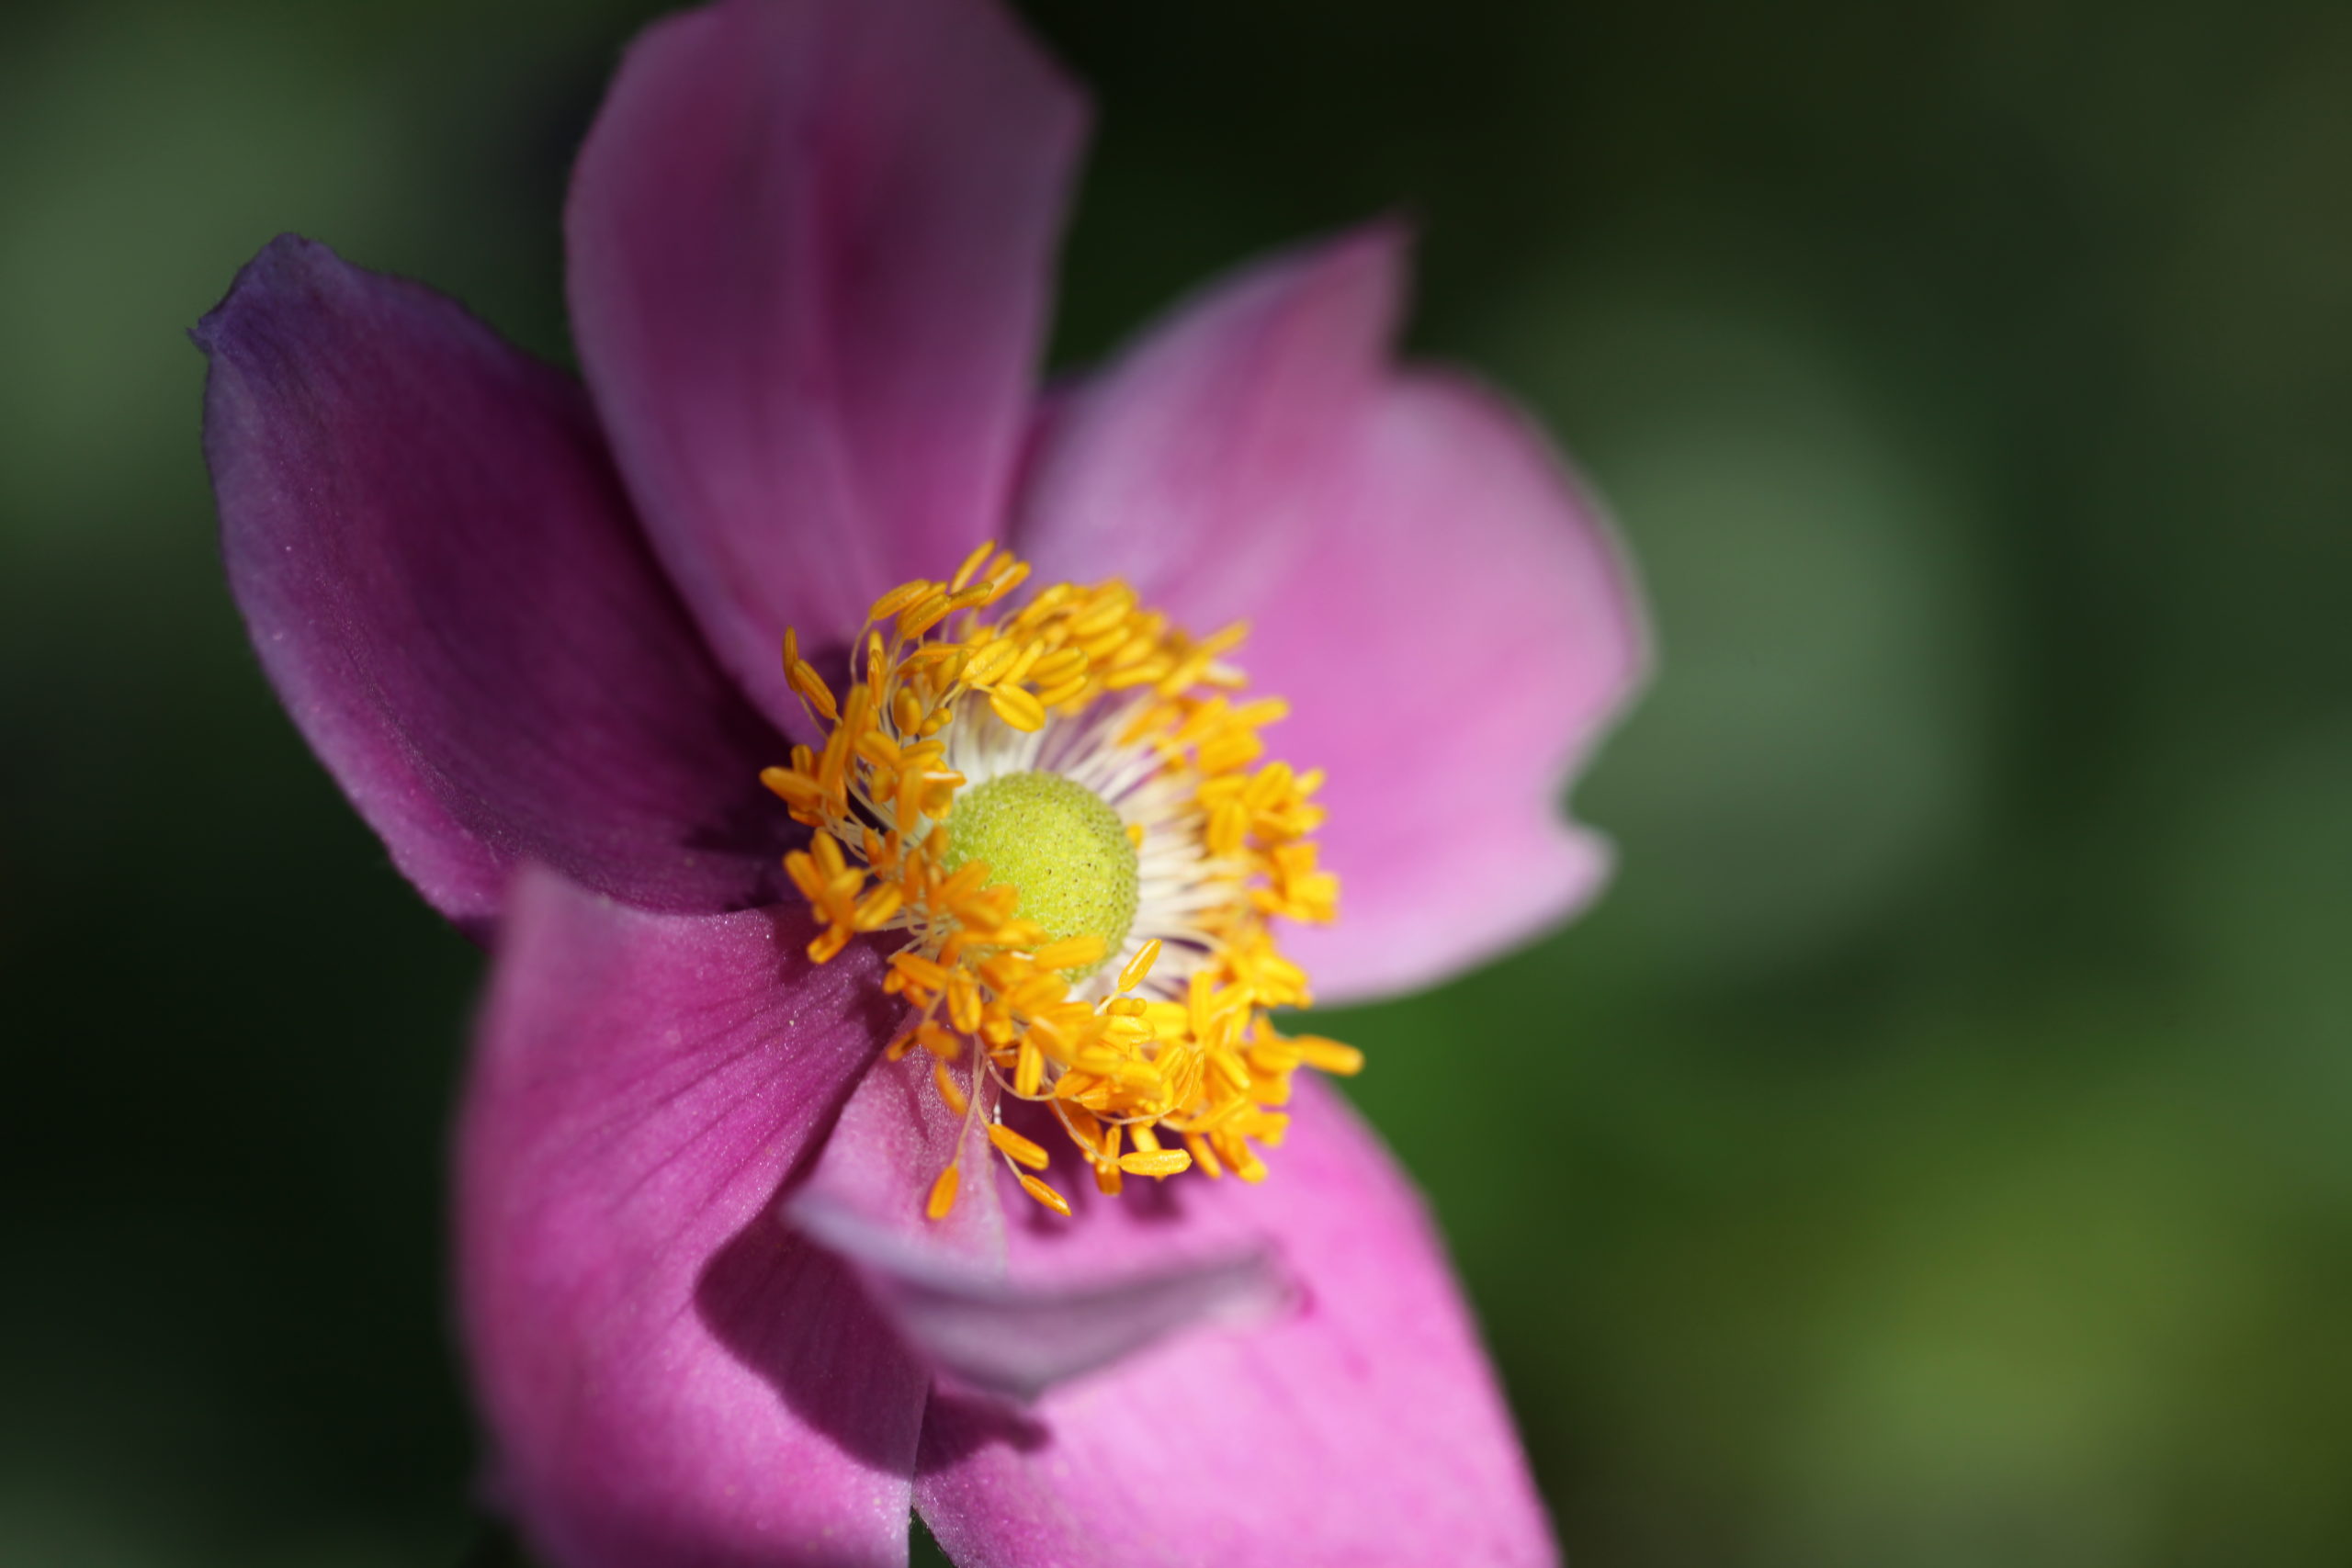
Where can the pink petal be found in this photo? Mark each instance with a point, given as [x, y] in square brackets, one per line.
[1363, 1429]
[670, 1376]
[946, 1284]
[869, 1189]
[1439, 601]
[809, 247]
[445, 584]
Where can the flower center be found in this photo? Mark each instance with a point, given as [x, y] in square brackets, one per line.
[1059, 815]
[1062, 846]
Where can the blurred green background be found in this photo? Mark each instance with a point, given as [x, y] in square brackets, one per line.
[1936, 1151]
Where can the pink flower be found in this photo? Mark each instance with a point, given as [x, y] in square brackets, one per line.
[726, 1298]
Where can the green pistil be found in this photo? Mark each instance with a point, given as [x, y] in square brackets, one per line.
[1061, 846]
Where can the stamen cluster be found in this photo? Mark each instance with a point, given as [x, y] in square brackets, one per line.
[1167, 1062]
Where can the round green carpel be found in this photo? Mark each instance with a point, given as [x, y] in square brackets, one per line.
[1060, 845]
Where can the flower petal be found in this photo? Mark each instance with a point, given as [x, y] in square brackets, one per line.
[1364, 1427]
[809, 248]
[1440, 603]
[670, 1376]
[444, 583]
[1514, 638]
[945, 1283]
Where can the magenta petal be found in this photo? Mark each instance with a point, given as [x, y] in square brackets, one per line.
[444, 583]
[1363, 1427]
[1004, 1338]
[1513, 639]
[809, 247]
[670, 1376]
[946, 1284]
[868, 1191]
[1436, 597]
[1201, 465]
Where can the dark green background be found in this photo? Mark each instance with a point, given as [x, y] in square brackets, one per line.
[1934, 1152]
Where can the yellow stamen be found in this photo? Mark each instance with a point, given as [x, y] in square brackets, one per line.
[1018, 1149]
[897, 598]
[1018, 708]
[1042, 1193]
[1329, 1056]
[1203, 1156]
[963, 574]
[1139, 967]
[1029, 1070]
[943, 1194]
[1006, 997]
[949, 1091]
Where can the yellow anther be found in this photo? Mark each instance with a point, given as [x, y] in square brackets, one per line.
[807, 683]
[990, 661]
[1081, 951]
[1327, 1055]
[1008, 575]
[1042, 1193]
[1055, 667]
[943, 1195]
[1018, 1149]
[879, 907]
[1106, 613]
[1203, 1156]
[963, 573]
[1138, 968]
[915, 966]
[1018, 708]
[795, 789]
[923, 614]
[1226, 640]
[1230, 749]
[1029, 653]
[828, 850]
[1127, 1032]
[1141, 720]
[1039, 990]
[898, 598]
[963, 1000]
